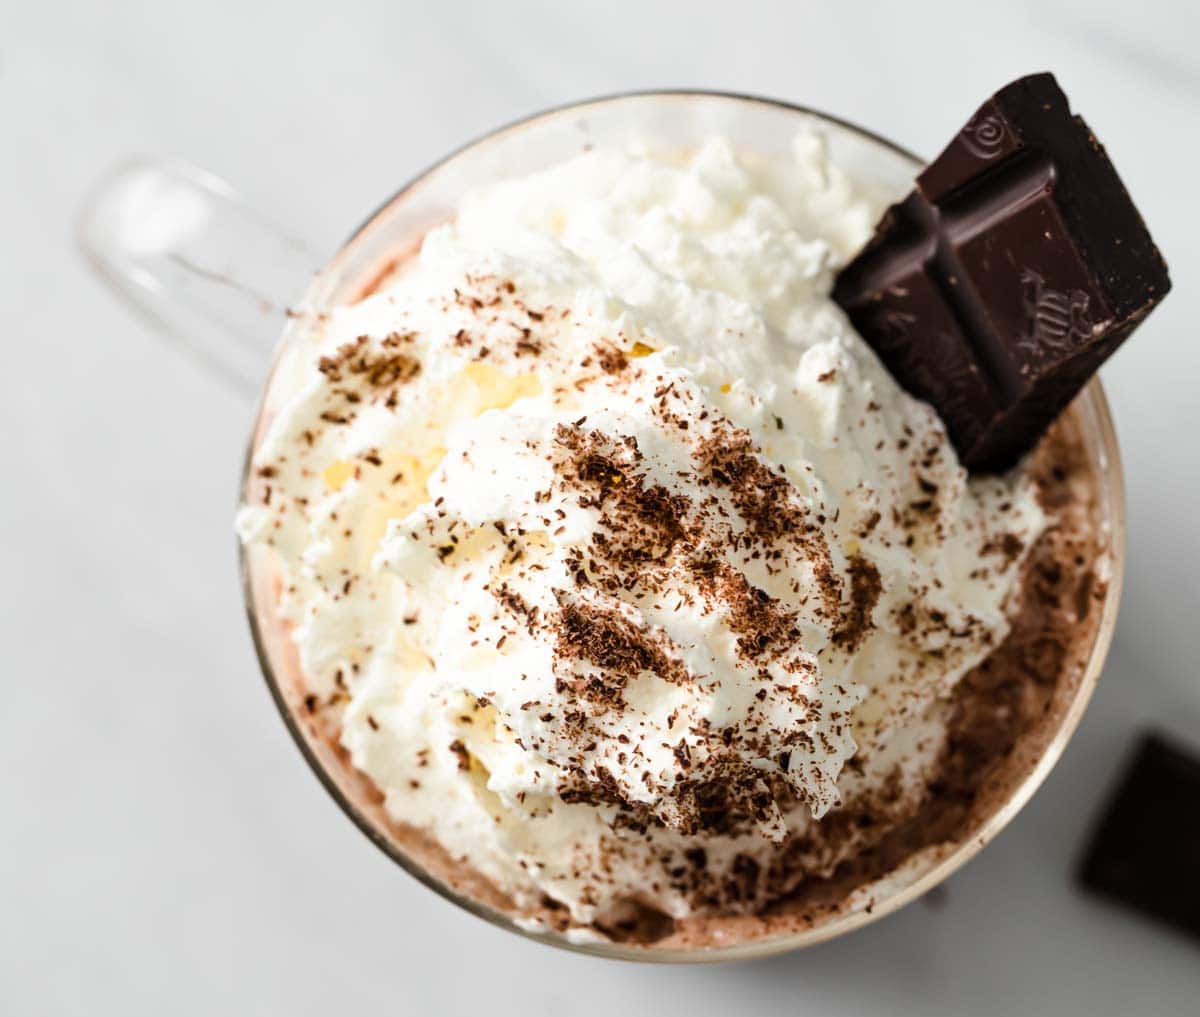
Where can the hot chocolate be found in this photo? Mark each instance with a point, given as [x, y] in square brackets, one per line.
[632, 594]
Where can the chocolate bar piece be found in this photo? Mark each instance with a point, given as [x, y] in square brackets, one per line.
[1013, 270]
[1145, 852]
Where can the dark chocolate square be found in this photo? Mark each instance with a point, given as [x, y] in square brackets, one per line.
[1016, 266]
[1145, 853]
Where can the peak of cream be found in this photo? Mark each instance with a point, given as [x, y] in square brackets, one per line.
[609, 543]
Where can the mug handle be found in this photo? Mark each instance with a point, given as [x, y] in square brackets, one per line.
[189, 254]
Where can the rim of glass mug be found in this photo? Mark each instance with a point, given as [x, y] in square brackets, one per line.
[393, 228]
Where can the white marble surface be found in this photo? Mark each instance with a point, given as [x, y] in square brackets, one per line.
[164, 849]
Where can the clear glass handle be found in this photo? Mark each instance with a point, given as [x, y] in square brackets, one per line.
[188, 253]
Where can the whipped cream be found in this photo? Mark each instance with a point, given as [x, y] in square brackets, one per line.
[617, 556]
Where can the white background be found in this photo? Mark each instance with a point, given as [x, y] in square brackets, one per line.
[164, 849]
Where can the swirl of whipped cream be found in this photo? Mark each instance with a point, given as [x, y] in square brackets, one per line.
[613, 554]
[651, 594]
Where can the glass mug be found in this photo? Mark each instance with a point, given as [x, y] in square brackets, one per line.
[179, 244]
